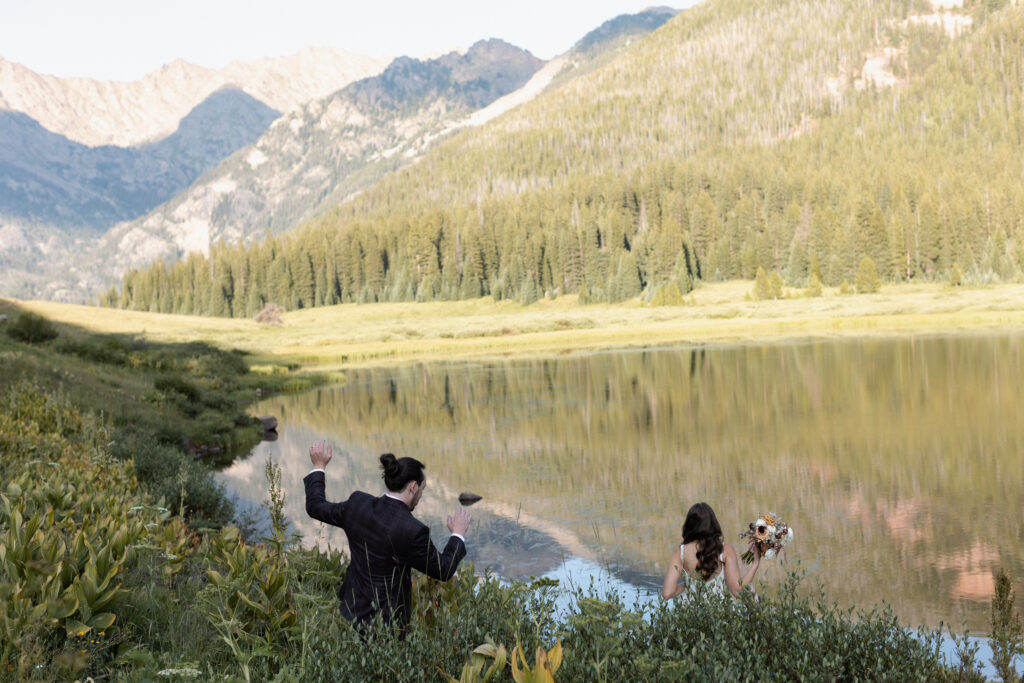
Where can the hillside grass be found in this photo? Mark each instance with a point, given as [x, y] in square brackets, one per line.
[164, 403]
[353, 335]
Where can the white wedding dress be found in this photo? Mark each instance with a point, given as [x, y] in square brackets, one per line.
[715, 585]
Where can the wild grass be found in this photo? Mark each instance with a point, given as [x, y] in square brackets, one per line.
[165, 402]
[352, 335]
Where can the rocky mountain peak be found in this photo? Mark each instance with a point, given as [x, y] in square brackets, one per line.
[623, 26]
[489, 69]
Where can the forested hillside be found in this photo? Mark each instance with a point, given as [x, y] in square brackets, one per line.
[797, 136]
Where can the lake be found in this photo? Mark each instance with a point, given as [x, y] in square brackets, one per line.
[897, 462]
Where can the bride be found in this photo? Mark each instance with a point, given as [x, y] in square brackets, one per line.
[703, 556]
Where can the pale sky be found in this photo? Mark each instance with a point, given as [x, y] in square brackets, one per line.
[125, 39]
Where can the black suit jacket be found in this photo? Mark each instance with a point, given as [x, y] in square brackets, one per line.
[385, 542]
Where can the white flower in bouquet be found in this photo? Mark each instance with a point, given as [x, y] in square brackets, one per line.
[769, 554]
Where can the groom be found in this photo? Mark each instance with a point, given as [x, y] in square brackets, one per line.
[385, 541]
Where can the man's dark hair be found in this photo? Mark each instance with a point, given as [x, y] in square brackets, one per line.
[400, 471]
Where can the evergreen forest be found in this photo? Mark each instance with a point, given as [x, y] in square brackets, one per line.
[799, 137]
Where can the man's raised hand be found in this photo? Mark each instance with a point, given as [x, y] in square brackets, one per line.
[320, 454]
[459, 523]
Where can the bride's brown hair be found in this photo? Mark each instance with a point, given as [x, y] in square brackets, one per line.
[702, 526]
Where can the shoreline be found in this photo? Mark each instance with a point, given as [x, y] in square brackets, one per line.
[387, 334]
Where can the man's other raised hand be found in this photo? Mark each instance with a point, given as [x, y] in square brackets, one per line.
[459, 522]
[320, 454]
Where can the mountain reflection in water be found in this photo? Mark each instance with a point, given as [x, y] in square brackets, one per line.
[896, 462]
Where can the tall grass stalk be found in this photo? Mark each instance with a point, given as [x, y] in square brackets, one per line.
[275, 506]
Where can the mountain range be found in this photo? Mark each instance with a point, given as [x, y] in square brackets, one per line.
[75, 214]
[321, 152]
[78, 155]
[830, 142]
[128, 113]
[45, 178]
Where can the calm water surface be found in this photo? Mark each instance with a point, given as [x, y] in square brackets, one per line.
[898, 463]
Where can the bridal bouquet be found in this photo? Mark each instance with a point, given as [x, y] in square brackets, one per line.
[771, 535]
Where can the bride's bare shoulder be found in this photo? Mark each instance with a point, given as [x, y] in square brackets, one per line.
[688, 551]
[729, 552]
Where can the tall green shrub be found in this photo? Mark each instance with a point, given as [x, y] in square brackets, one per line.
[1007, 629]
[31, 329]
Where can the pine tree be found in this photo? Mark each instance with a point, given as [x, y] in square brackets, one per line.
[873, 238]
[867, 277]
[110, 298]
[813, 287]
[303, 281]
[627, 278]
[775, 284]
[218, 302]
[956, 276]
[668, 295]
[814, 268]
[528, 292]
[762, 286]
[705, 229]
[280, 282]
[584, 294]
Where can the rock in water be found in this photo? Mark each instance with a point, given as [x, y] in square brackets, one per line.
[467, 499]
[268, 430]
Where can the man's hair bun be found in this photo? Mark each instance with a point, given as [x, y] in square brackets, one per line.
[389, 464]
[400, 471]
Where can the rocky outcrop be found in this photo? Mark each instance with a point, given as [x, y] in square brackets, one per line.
[488, 70]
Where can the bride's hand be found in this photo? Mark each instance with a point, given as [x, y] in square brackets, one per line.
[755, 550]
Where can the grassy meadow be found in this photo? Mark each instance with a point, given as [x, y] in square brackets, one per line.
[351, 335]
